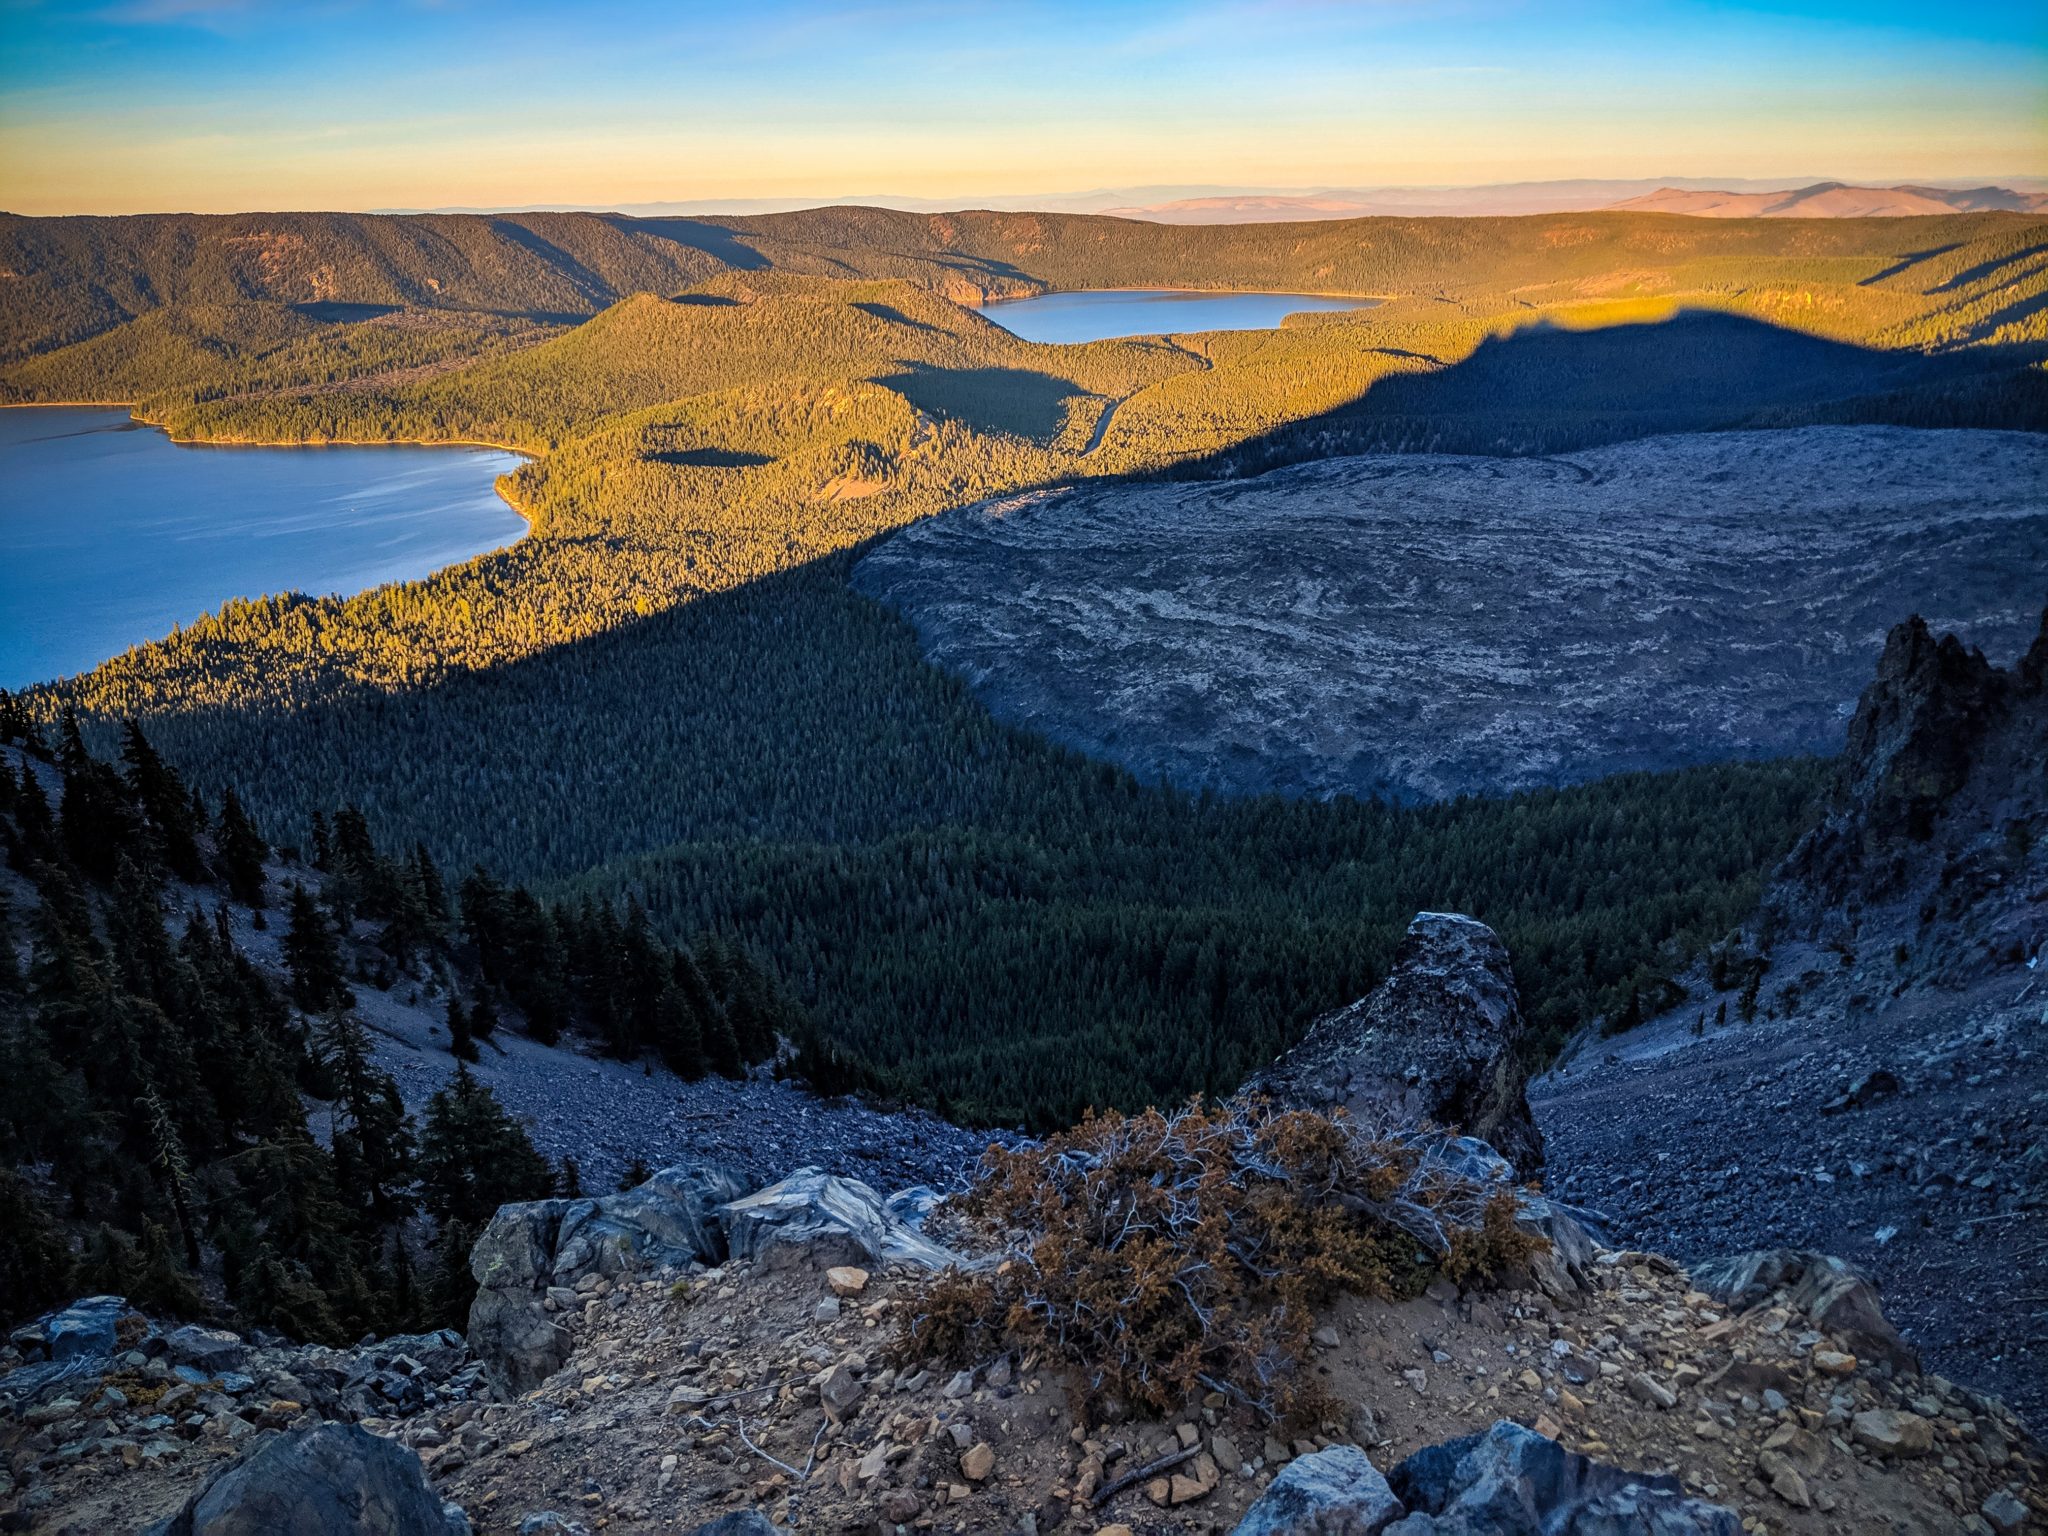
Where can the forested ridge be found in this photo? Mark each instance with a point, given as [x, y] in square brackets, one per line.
[669, 691]
[205, 1134]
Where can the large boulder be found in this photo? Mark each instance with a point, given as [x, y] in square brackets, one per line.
[1438, 1043]
[1335, 1492]
[671, 1220]
[822, 1220]
[335, 1480]
[87, 1329]
[1833, 1296]
[1511, 1481]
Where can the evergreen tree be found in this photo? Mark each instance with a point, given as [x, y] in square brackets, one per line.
[165, 801]
[372, 1139]
[35, 1260]
[98, 819]
[313, 956]
[242, 852]
[460, 1043]
[474, 1157]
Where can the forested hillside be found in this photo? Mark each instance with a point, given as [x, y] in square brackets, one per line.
[154, 1081]
[669, 691]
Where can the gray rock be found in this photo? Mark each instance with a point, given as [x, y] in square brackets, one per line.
[84, 1329]
[820, 1219]
[741, 1522]
[1438, 1043]
[2005, 1513]
[1835, 1297]
[549, 1522]
[213, 1351]
[336, 1480]
[1512, 1481]
[527, 1249]
[1337, 1492]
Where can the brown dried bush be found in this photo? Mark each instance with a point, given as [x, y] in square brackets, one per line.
[1164, 1255]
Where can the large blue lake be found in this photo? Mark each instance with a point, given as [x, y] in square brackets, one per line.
[1100, 314]
[111, 534]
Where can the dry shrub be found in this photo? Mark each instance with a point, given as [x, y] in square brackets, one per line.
[1163, 1255]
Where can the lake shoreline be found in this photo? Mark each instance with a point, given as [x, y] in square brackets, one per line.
[119, 540]
[528, 454]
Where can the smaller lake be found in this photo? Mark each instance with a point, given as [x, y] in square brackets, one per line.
[1101, 314]
[111, 534]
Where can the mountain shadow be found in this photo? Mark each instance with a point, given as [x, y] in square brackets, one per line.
[1546, 389]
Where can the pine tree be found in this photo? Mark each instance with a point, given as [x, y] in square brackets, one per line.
[97, 817]
[242, 852]
[313, 956]
[165, 800]
[474, 1157]
[460, 1043]
[372, 1138]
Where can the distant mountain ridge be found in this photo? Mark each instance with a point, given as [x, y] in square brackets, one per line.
[1730, 199]
[1835, 200]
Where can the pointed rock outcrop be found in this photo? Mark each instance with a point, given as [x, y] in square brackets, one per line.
[1436, 1043]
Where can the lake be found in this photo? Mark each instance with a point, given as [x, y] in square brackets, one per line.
[1101, 314]
[111, 534]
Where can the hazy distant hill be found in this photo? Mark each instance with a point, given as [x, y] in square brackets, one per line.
[1727, 199]
[1833, 200]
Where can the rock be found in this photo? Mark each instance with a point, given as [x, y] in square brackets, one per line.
[1511, 1481]
[86, 1329]
[741, 1522]
[1892, 1432]
[1832, 1362]
[846, 1279]
[913, 1205]
[1783, 1479]
[977, 1461]
[529, 1250]
[2005, 1513]
[818, 1218]
[1909, 742]
[549, 1522]
[336, 1480]
[1835, 1297]
[1436, 1043]
[1867, 1089]
[900, 1506]
[1337, 1492]
[839, 1393]
[213, 1351]
[1645, 1388]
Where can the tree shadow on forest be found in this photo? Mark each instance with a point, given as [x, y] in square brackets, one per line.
[1013, 400]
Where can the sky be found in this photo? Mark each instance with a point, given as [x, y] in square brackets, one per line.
[216, 105]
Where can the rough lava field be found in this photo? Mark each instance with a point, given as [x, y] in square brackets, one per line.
[1419, 626]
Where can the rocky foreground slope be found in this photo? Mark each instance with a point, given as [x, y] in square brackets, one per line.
[1864, 1069]
[699, 1350]
[1416, 626]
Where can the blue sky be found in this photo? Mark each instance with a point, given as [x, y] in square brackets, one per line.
[213, 104]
